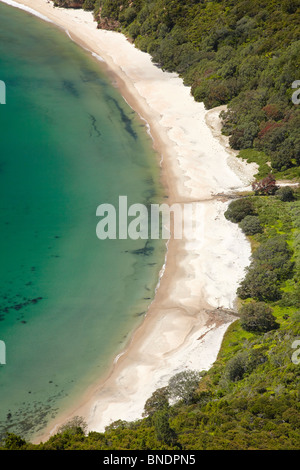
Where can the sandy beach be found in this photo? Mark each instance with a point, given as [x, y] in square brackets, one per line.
[185, 324]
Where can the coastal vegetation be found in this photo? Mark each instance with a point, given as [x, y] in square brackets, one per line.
[245, 55]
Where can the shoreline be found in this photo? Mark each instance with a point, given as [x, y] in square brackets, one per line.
[183, 328]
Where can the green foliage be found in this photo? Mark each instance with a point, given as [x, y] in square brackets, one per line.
[221, 52]
[13, 442]
[69, 3]
[271, 265]
[158, 401]
[260, 284]
[275, 254]
[251, 225]
[75, 425]
[163, 430]
[257, 316]
[237, 367]
[239, 209]
[285, 194]
[183, 386]
[88, 5]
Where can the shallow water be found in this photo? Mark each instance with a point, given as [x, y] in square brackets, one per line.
[69, 301]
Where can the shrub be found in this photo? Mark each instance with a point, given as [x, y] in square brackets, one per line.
[266, 186]
[258, 317]
[238, 210]
[134, 30]
[76, 425]
[250, 225]
[281, 160]
[88, 5]
[271, 264]
[157, 401]
[259, 284]
[285, 194]
[163, 430]
[289, 6]
[127, 16]
[236, 367]
[275, 255]
[13, 442]
[183, 386]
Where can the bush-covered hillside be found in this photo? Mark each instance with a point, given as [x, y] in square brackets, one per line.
[241, 53]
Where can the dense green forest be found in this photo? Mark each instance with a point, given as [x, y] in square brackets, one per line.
[244, 54]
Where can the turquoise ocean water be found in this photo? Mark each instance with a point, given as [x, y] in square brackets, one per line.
[69, 301]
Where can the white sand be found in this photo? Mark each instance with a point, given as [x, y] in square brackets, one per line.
[199, 275]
